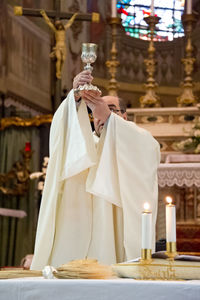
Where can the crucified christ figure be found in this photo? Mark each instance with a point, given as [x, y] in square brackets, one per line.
[59, 51]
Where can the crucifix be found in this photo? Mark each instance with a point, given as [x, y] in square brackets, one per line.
[53, 19]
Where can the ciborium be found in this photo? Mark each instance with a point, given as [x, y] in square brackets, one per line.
[88, 56]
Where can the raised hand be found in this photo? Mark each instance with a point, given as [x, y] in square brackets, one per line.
[82, 78]
[99, 107]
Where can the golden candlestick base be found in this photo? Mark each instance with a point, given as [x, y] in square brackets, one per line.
[187, 97]
[171, 250]
[113, 63]
[146, 256]
[150, 99]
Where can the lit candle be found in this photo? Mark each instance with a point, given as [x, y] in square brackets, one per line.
[170, 220]
[152, 7]
[27, 147]
[113, 8]
[146, 227]
[189, 7]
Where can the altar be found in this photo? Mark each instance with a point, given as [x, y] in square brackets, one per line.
[113, 289]
[178, 173]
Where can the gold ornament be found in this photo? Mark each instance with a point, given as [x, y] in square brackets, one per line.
[150, 99]
[187, 97]
[18, 10]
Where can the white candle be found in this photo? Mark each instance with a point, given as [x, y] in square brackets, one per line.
[170, 220]
[189, 7]
[152, 7]
[113, 8]
[146, 227]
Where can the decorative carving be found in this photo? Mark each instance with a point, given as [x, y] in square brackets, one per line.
[113, 63]
[187, 97]
[158, 269]
[152, 119]
[18, 11]
[16, 121]
[15, 182]
[95, 17]
[150, 99]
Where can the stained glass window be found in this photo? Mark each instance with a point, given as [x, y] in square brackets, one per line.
[132, 13]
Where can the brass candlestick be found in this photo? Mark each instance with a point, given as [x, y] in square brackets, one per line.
[146, 257]
[187, 97]
[171, 250]
[150, 99]
[113, 63]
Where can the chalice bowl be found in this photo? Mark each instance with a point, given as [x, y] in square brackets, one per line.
[88, 56]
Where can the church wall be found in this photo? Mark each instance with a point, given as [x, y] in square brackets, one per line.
[25, 50]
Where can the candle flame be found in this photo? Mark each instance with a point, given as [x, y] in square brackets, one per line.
[169, 199]
[146, 206]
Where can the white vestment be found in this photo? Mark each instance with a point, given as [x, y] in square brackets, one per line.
[93, 196]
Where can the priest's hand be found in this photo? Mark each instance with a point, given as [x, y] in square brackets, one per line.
[82, 78]
[99, 107]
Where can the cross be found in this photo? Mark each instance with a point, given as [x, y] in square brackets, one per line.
[55, 15]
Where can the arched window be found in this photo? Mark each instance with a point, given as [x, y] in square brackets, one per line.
[132, 13]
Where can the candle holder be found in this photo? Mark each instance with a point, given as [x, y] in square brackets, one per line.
[146, 235]
[171, 250]
[146, 257]
[150, 99]
[187, 97]
[113, 63]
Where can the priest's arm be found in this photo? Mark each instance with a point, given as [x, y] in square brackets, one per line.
[126, 175]
[72, 151]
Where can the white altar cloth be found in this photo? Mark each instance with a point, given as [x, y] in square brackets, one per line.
[182, 158]
[115, 289]
[179, 174]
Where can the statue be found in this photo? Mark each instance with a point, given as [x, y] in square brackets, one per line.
[59, 51]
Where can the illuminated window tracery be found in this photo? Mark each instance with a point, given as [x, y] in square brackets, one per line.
[132, 13]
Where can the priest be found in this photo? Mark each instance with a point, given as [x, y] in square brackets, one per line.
[96, 184]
